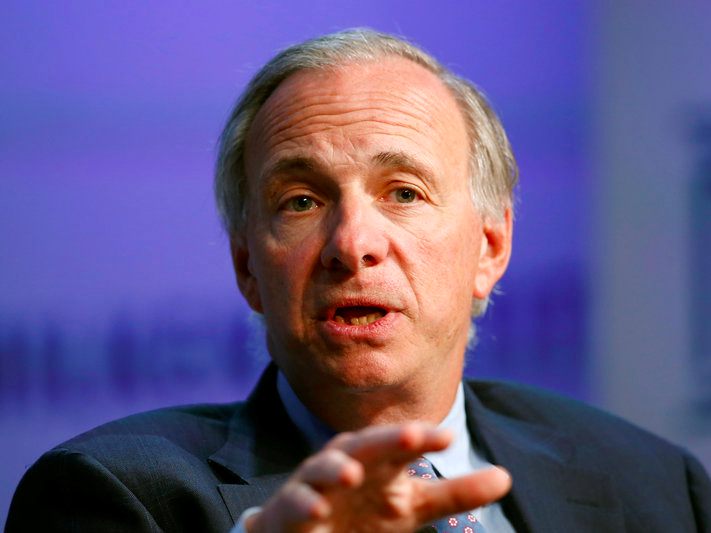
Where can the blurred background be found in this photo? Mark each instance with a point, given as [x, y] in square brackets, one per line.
[116, 288]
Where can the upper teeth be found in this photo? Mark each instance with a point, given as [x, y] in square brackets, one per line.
[359, 320]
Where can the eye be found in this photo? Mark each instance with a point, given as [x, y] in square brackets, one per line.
[300, 203]
[405, 195]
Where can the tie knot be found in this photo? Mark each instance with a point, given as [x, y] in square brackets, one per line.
[460, 523]
[422, 468]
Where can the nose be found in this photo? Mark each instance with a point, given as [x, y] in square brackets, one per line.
[356, 237]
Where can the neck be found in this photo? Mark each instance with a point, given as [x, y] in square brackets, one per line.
[345, 408]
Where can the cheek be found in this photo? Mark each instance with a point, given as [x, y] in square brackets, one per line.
[448, 265]
[444, 287]
[286, 269]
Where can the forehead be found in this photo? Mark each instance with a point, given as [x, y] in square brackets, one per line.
[389, 104]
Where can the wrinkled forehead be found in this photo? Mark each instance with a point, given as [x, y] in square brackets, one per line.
[388, 98]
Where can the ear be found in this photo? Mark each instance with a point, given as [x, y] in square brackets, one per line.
[495, 253]
[246, 280]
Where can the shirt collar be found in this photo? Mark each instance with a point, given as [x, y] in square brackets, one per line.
[455, 459]
[316, 432]
[451, 462]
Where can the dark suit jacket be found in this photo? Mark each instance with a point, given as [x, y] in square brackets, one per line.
[197, 468]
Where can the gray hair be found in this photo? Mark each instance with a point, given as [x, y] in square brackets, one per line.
[491, 158]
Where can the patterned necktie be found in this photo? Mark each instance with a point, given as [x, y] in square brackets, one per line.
[464, 522]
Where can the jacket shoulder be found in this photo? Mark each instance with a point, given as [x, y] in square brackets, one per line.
[144, 472]
[173, 423]
[534, 405]
[641, 466]
[600, 439]
[161, 440]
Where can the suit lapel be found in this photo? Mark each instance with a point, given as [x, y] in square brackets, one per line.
[238, 498]
[262, 449]
[551, 493]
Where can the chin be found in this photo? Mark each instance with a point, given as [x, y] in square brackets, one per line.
[366, 372]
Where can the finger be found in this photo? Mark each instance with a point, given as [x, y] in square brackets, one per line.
[450, 496]
[397, 444]
[330, 469]
[295, 504]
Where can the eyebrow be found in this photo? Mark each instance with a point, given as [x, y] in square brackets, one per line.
[392, 160]
[293, 164]
[404, 162]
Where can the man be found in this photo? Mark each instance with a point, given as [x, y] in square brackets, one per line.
[368, 196]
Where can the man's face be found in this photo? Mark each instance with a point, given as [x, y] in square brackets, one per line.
[363, 248]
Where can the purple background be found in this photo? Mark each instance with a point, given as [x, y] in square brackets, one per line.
[116, 289]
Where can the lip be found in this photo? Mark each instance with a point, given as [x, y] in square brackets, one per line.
[343, 331]
[380, 329]
[328, 311]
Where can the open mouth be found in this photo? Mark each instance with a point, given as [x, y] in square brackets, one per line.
[358, 315]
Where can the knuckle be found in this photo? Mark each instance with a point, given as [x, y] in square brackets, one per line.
[395, 508]
[294, 499]
[311, 461]
[340, 441]
[333, 456]
[320, 463]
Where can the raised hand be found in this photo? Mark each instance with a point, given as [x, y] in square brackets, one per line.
[358, 483]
